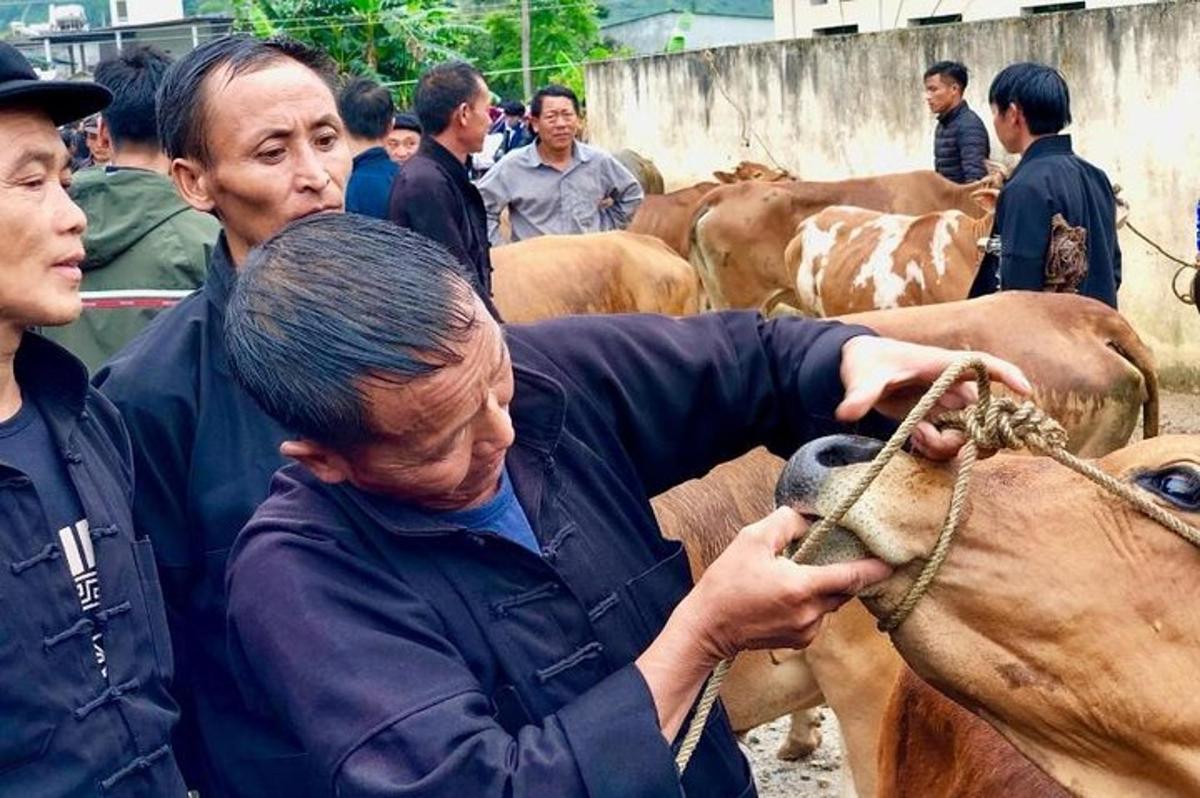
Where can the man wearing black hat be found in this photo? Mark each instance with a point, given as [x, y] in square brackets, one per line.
[84, 654]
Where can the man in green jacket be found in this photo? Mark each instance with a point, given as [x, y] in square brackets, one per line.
[146, 249]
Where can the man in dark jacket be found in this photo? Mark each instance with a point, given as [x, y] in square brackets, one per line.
[367, 110]
[146, 248]
[460, 588]
[254, 136]
[85, 658]
[960, 144]
[433, 195]
[1030, 105]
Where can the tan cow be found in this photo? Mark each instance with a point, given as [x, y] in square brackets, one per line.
[847, 260]
[739, 232]
[1062, 615]
[1089, 368]
[641, 167]
[752, 170]
[613, 272]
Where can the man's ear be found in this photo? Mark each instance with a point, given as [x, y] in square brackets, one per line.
[193, 184]
[325, 464]
[103, 134]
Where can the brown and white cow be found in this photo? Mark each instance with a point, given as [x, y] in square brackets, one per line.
[848, 260]
[613, 272]
[1063, 616]
[739, 232]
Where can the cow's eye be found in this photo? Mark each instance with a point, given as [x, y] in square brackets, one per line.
[1180, 485]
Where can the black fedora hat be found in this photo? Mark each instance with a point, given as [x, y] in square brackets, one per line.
[64, 100]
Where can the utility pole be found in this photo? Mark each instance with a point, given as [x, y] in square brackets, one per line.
[527, 78]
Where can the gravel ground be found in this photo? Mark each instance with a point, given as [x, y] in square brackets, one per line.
[820, 776]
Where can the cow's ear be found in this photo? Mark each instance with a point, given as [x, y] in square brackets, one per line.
[985, 198]
[725, 177]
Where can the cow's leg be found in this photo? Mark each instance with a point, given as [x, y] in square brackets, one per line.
[803, 737]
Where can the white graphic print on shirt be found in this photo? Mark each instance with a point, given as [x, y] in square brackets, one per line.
[81, 559]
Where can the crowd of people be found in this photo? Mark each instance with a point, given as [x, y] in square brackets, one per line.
[325, 526]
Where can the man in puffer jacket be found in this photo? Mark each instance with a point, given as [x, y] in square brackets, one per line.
[960, 146]
[146, 249]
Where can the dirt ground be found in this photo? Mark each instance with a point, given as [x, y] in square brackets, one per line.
[820, 776]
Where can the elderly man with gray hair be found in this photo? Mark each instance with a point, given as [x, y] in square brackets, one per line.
[459, 587]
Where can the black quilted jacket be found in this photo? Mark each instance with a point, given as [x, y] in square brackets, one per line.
[961, 145]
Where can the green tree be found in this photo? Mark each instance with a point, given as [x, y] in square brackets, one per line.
[391, 40]
[563, 36]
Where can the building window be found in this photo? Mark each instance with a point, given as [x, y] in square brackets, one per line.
[943, 19]
[1051, 8]
[122, 11]
[836, 30]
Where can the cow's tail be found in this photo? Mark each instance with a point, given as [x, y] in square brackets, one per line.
[700, 258]
[1131, 347]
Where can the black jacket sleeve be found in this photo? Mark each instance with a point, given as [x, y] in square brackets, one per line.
[425, 204]
[974, 147]
[684, 395]
[1024, 237]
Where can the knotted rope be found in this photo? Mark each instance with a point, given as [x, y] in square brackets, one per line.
[993, 423]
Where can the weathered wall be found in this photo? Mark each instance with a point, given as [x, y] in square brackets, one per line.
[651, 34]
[829, 108]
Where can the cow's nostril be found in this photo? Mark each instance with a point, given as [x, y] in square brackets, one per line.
[844, 450]
[809, 467]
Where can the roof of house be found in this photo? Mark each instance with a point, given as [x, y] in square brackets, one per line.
[622, 11]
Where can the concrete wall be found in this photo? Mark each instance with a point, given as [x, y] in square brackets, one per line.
[836, 107]
[650, 35]
[802, 18]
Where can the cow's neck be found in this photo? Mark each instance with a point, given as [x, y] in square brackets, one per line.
[1158, 771]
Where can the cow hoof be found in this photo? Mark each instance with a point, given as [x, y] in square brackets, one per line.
[801, 742]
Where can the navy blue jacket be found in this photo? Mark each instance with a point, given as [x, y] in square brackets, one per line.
[433, 196]
[418, 659]
[205, 453]
[370, 183]
[1051, 179]
[64, 729]
[961, 145]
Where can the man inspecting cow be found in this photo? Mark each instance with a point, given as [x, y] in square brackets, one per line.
[558, 185]
[1055, 224]
[468, 531]
[961, 146]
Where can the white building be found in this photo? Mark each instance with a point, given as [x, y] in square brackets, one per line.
[800, 19]
[144, 12]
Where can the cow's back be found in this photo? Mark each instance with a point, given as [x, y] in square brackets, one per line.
[614, 272]
[668, 217]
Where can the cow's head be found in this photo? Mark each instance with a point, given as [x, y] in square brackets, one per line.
[749, 170]
[1062, 614]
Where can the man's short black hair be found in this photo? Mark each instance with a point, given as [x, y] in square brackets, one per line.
[333, 301]
[182, 106]
[133, 77]
[1039, 91]
[553, 90]
[513, 108]
[366, 108]
[949, 69]
[441, 90]
[407, 121]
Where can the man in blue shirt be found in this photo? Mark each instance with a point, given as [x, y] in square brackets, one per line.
[367, 110]
[1030, 106]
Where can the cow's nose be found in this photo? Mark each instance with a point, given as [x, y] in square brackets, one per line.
[813, 462]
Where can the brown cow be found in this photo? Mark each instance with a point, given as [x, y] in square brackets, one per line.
[1089, 368]
[930, 747]
[739, 232]
[1063, 615]
[613, 272]
[669, 216]
[847, 260]
[850, 666]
